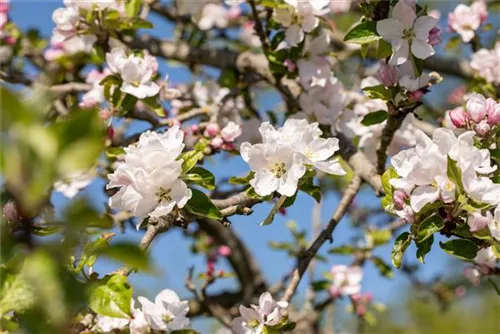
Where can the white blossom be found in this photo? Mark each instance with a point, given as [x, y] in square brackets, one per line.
[486, 63]
[494, 224]
[167, 313]
[149, 177]
[213, 16]
[230, 132]
[405, 31]
[73, 183]
[136, 71]
[254, 319]
[346, 280]
[486, 257]
[109, 324]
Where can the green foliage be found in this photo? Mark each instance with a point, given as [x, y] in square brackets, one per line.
[201, 205]
[455, 174]
[378, 92]
[111, 296]
[384, 269]
[201, 177]
[388, 175]
[190, 159]
[428, 227]
[424, 247]
[241, 180]
[461, 248]
[363, 33]
[400, 245]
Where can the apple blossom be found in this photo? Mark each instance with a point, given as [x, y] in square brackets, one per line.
[213, 16]
[476, 107]
[136, 71]
[465, 20]
[494, 224]
[149, 177]
[458, 117]
[256, 318]
[345, 280]
[66, 18]
[108, 324]
[387, 74]
[230, 132]
[486, 258]
[486, 63]
[405, 31]
[473, 275]
[74, 182]
[167, 313]
[477, 221]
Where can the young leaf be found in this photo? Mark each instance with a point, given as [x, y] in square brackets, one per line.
[378, 92]
[455, 174]
[424, 247]
[363, 33]
[388, 175]
[152, 103]
[345, 249]
[384, 49]
[400, 245]
[429, 226]
[241, 180]
[127, 253]
[111, 297]
[190, 158]
[461, 248]
[132, 7]
[321, 285]
[384, 269]
[202, 177]
[374, 118]
[270, 217]
[202, 206]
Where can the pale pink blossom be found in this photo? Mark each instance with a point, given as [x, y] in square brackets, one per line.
[345, 280]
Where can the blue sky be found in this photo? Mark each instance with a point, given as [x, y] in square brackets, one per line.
[171, 251]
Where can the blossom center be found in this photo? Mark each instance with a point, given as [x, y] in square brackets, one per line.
[164, 195]
[167, 318]
[253, 323]
[278, 169]
[408, 34]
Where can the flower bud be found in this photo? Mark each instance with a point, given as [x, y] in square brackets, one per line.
[224, 250]
[493, 110]
[212, 130]
[416, 95]
[289, 65]
[216, 142]
[10, 212]
[11, 40]
[477, 221]
[434, 36]
[482, 128]
[399, 198]
[458, 117]
[195, 128]
[476, 107]
[387, 74]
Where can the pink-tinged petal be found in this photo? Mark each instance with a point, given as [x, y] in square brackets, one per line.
[404, 13]
[400, 50]
[423, 25]
[294, 35]
[421, 49]
[350, 289]
[390, 29]
[423, 195]
[167, 296]
[309, 22]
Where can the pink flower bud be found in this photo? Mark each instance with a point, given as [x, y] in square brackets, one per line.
[460, 291]
[434, 36]
[361, 310]
[493, 110]
[482, 128]
[4, 6]
[195, 128]
[289, 65]
[479, 8]
[399, 198]
[416, 95]
[212, 130]
[387, 74]
[10, 40]
[224, 250]
[216, 142]
[476, 107]
[477, 221]
[458, 117]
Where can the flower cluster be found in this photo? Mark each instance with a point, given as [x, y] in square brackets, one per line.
[345, 280]
[256, 319]
[406, 31]
[486, 63]
[465, 20]
[300, 17]
[223, 139]
[167, 313]
[284, 155]
[95, 95]
[136, 70]
[480, 114]
[148, 177]
[484, 264]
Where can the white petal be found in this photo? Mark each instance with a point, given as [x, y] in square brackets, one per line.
[421, 49]
[400, 50]
[423, 195]
[390, 29]
[423, 25]
[404, 13]
[309, 22]
[264, 182]
[294, 35]
[332, 167]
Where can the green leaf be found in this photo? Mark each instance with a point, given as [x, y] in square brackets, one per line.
[201, 176]
[388, 175]
[306, 185]
[128, 102]
[418, 65]
[111, 297]
[228, 78]
[321, 285]
[345, 250]
[364, 50]
[112, 79]
[127, 253]
[190, 159]
[495, 154]
[153, 104]
[384, 49]
[455, 174]
[241, 180]
[461, 248]
[270, 217]
[363, 33]
[423, 248]
[379, 237]
[132, 7]
[429, 226]
[400, 245]
[42, 231]
[202, 206]
[376, 117]
[384, 269]
[378, 92]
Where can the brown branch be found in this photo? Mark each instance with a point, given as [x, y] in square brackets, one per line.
[325, 235]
